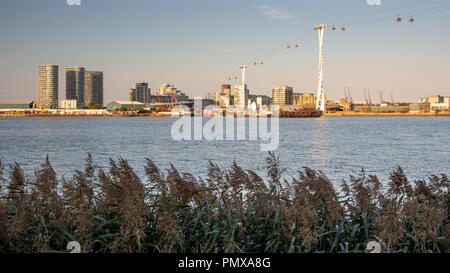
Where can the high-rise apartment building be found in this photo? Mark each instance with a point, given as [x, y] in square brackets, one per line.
[48, 80]
[142, 92]
[213, 97]
[241, 93]
[226, 89]
[166, 89]
[75, 85]
[282, 95]
[226, 100]
[93, 87]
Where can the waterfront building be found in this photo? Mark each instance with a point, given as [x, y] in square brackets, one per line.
[419, 107]
[20, 107]
[346, 105]
[435, 99]
[263, 101]
[226, 89]
[446, 100]
[131, 94]
[75, 85]
[213, 96]
[93, 87]
[296, 99]
[241, 94]
[48, 83]
[306, 100]
[282, 95]
[439, 106]
[422, 100]
[124, 105]
[166, 89]
[226, 100]
[68, 104]
[142, 92]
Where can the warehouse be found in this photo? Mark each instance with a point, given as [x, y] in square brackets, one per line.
[125, 105]
[7, 107]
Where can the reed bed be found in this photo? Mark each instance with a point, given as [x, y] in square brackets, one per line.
[228, 211]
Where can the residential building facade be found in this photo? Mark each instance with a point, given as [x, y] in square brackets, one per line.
[93, 87]
[48, 86]
[241, 94]
[282, 95]
[75, 85]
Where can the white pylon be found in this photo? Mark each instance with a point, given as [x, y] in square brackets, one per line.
[320, 90]
[243, 68]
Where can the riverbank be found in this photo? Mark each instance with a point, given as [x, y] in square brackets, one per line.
[167, 114]
[229, 211]
[47, 115]
[360, 114]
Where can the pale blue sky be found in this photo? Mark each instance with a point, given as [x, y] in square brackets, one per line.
[198, 44]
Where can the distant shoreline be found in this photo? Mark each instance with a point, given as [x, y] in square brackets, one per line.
[337, 114]
[357, 114]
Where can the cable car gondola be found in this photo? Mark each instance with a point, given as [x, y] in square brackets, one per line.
[411, 20]
[343, 28]
[399, 19]
[333, 28]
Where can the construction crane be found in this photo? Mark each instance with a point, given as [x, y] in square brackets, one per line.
[350, 99]
[368, 95]
[365, 97]
[381, 98]
[35, 103]
[174, 96]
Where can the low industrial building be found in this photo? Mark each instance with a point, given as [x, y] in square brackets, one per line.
[126, 105]
[7, 107]
[419, 108]
[439, 106]
[389, 109]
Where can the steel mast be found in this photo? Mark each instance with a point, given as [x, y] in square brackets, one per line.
[320, 89]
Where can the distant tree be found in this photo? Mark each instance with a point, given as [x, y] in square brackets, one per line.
[94, 106]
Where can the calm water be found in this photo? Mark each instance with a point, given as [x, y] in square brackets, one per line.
[337, 146]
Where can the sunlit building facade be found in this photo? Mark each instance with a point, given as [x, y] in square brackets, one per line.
[48, 86]
[75, 84]
[93, 87]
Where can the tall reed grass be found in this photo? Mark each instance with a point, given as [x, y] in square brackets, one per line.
[228, 211]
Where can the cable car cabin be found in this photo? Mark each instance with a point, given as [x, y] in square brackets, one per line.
[343, 28]
[411, 20]
[399, 19]
[334, 29]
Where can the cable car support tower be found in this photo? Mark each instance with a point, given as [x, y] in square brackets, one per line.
[320, 90]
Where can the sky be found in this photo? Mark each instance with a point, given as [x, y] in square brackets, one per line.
[198, 44]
